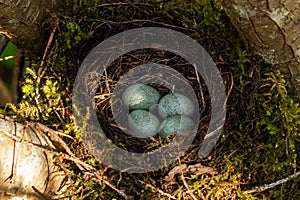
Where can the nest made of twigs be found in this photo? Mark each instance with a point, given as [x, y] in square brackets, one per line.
[114, 72]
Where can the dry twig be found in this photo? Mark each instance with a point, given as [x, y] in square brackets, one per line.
[230, 89]
[196, 169]
[188, 188]
[42, 69]
[272, 185]
[7, 58]
[158, 190]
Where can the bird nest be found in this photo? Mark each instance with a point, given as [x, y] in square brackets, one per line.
[104, 100]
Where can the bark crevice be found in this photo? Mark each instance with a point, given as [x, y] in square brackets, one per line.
[270, 28]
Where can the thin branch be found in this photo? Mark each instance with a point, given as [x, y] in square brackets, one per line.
[46, 129]
[141, 21]
[42, 68]
[7, 58]
[272, 185]
[188, 188]
[230, 89]
[201, 90]
[115, 4]
[7, 34]
[158, 190]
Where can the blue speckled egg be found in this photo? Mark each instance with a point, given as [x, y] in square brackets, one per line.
[176, 124]
[175, 104]
[143, 123]
[140, 97]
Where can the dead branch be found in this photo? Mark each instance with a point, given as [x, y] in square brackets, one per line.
[272, 185]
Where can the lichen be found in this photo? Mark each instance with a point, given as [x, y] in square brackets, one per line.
[279, 15]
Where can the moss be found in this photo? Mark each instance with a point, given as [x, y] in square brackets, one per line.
[259, 145]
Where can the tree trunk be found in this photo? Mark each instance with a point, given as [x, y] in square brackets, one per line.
[271, 29]
[21, 21]
[28, 170]
[4, 94]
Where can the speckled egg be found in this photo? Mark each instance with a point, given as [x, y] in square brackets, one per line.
[140, 97]
[176, 124]
[175, 104]
[143, 123]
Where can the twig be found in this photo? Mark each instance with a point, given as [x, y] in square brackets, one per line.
[59, 117]
[42, 70]
[53, 135]
[134, 5]
[48, 45]
[272, 185]
[7, 58]
[230, 89]
[158, 190]
[189, 190]
[201, 91]
[116, 4]
[44, 128]
[7, 34]
[106, 81]
[114, 188]
[196, 169]
[141, 21]
[110, 4]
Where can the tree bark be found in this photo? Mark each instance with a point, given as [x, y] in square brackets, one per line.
[271, 29]
[28, 170]
[4, 94]
[21, 21]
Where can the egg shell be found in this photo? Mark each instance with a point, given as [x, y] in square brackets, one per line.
[140, 97]
[175, 104]
[176, 124]
[143, 123]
